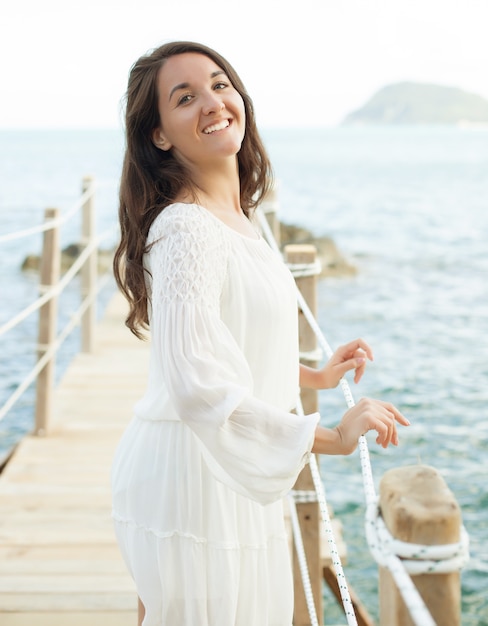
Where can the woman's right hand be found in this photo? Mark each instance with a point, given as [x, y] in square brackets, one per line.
[366, 415]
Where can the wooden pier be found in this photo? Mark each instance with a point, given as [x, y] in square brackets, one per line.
[59, 563]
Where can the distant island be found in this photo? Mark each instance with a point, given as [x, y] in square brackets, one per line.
[421, 103]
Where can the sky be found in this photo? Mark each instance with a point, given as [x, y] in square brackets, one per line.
[65, 63]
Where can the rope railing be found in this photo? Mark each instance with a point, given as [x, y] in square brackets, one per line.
[52, 350]
[329, 532]
[302, 559]
[51, 292]
[400, 558]
[50, 224]
[49, 343]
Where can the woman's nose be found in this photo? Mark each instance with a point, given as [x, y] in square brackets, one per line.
[212, 104]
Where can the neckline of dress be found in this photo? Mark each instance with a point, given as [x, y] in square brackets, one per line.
[226, 226]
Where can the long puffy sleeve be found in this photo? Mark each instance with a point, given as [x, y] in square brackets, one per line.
[249, 444]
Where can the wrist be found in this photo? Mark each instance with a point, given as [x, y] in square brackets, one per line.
[311, 378]
[345, 445]
[327, 441]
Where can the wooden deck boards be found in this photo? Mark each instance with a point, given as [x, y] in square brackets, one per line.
[59, 563]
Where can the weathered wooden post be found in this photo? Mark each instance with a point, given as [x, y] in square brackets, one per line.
[269, 206]
[303, 259]
[89, 269]
[49, 276]
[418, 507]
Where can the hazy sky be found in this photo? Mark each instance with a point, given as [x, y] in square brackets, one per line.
[64, 63]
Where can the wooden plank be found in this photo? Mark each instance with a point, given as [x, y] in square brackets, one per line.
[68, 565]
[94, 618]
[33, 583]
[41, 601]
[59, 562]
[82, 552]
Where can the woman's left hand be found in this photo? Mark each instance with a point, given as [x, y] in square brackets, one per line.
[351, 356]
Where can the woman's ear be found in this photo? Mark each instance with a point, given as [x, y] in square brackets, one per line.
[159, 140]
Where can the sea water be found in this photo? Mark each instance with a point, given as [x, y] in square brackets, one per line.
[409, 208]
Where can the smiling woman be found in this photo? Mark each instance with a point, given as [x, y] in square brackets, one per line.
[214, 445]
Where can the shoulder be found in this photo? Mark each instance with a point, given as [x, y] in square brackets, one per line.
[187, 254]
[186, 221]
[188, 231]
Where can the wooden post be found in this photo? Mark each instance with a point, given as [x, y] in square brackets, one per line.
[308, 512]
[49, 276]
[89, 270]
[418, 507]
[269, 207]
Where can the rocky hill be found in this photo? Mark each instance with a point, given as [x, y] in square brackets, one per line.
[420, 103]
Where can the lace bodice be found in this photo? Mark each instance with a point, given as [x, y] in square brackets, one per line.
[190, 256]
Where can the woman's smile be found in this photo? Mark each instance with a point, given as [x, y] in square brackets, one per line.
[215, 127]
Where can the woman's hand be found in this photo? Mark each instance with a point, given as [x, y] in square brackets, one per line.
[366, 415]
[351, 356]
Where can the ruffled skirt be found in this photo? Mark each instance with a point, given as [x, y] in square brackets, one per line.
[200, 553]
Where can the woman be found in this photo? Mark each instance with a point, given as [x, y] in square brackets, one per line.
[200, 472]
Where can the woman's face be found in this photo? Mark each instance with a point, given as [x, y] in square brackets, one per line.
[202, 115]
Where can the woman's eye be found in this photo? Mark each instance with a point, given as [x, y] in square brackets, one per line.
[220, 85]
[185, 99]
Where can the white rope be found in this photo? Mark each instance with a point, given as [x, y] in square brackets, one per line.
[329, 533]
[50, 224]
[50, 292]
[382, 546]
[417, 608]
[302, 270]
[52, 349]
[302, 561]
[416, 558]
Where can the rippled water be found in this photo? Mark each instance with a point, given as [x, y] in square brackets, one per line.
[410, 209]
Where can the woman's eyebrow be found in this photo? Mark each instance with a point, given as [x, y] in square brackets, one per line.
[177, 87]
[186, 85]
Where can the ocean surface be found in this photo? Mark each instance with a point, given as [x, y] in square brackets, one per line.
[409, 208]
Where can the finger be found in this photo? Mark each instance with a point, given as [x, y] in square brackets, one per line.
[360, 368]
[383, 422]
[382, 430]
[392, 432]
[360, 344]
[359, 353]
[353, 349]
[394, 439]
[351, 364]
[398, 416]
[387, 434]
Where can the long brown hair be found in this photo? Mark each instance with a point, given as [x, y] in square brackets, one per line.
[152, 178]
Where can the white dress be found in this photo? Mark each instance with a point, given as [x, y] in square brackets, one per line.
[199, 475]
